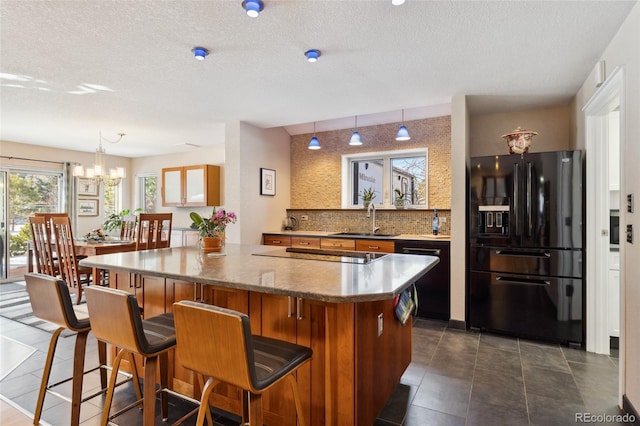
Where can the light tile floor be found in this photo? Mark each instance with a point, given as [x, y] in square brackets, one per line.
[456, 378]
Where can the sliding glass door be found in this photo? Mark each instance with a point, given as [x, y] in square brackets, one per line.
[24, 192]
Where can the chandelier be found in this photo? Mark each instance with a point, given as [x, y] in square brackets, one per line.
[98, 173]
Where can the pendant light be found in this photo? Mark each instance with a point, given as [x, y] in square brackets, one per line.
[355, 137]
[403, 133]
[314, 143]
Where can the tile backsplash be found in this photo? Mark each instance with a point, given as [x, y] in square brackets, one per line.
[390, 221]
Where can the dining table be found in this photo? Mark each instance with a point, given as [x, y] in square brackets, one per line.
[95, 248]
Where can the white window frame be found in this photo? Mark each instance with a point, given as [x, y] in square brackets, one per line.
[386, 157]
[139, 190]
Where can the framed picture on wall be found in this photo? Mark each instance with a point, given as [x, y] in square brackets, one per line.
[88, 207]
[87, 187]
[267, 182]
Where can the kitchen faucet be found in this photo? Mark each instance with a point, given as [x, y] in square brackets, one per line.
[374, 228]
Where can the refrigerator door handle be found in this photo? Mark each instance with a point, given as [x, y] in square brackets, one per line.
[545, 254]
[525, 281]
[529, 194]
[516, 200]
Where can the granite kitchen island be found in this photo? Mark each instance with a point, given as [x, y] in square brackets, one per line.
[339, 305]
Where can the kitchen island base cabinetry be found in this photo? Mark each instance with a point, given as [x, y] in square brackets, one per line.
[360, 350]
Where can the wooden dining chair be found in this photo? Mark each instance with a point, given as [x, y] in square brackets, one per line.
[47, 217]
[42, 246]
[128, 228]
[68, 267]
[154, 231]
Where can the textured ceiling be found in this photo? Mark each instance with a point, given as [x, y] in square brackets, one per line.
[69, 69]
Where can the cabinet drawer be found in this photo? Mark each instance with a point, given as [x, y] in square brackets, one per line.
[277, 240]
[384, 246]
[337, 244]
[308, 242]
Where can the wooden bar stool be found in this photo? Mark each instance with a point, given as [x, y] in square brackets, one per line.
[217, 343]
[51, 302]
[116, 319]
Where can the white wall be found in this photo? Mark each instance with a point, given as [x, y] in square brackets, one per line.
[250, 148]
[624, 51]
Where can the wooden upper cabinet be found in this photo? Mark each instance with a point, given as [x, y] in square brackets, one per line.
[191, 186]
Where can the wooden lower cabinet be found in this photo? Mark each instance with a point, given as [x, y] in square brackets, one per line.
[337, 244]
[353, 370]
[383, 246]
[277, 240]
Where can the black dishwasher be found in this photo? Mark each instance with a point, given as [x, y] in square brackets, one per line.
[434, 289]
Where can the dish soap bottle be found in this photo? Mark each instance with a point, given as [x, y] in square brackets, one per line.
[435, 222]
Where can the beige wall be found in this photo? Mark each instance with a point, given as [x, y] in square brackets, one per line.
[250, 148]
[553, 125]
[624, 51]
[317, 174]
[84, 223]
[153, 165]
[459, 167]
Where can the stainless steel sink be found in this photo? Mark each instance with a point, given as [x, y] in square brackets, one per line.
[364, 234]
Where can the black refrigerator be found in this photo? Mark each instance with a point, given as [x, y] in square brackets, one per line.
[526, 245]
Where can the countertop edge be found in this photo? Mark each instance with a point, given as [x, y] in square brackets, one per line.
[332, 234]
[111, 261]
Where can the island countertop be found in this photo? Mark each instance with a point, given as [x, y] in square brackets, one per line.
[249, 267]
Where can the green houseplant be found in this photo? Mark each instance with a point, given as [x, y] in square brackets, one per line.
[368, 196]
[113, 222]
[401, 201]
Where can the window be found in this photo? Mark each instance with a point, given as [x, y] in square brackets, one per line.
[147, 190]
[387, 174]
[112, 199]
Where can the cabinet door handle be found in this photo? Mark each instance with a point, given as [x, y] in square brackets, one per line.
[374, 247]
[525, 281]
[299, 314]
[545, 254]
[276, 242]
[289, 307]
[336, 245]
[303, 243]
[417, 250]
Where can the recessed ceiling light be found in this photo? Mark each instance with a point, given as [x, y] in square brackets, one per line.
[253, 7]
[200, 53]
[312, 55]
[397, 2]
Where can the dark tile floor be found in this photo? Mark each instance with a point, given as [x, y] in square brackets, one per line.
[456, 378]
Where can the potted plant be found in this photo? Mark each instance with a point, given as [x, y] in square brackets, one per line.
[367, 196]
[212, 229]
[401, 201]
[113, 222]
